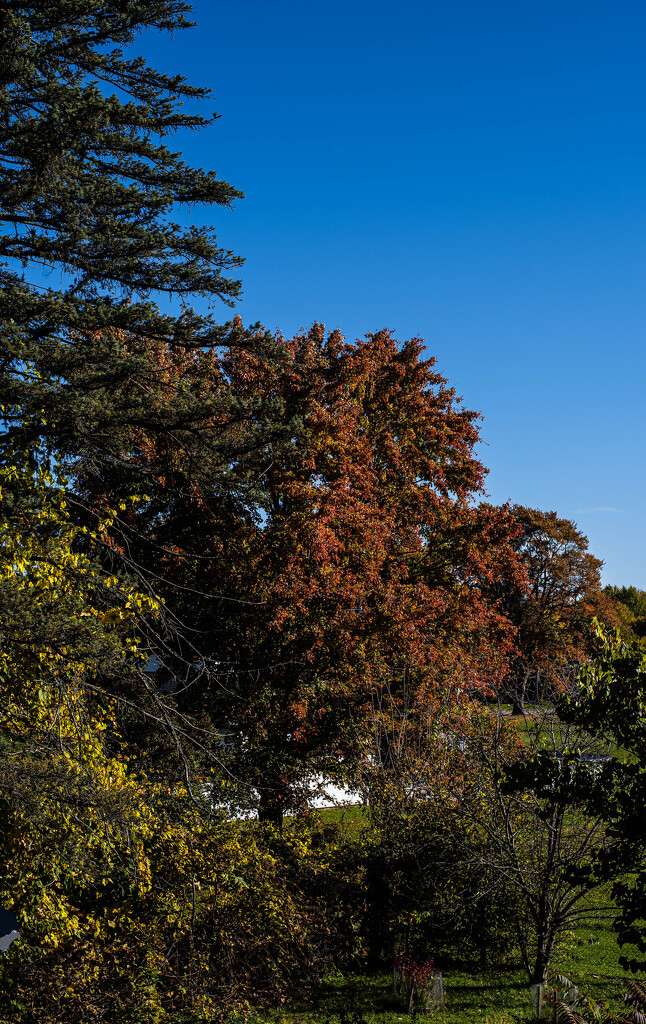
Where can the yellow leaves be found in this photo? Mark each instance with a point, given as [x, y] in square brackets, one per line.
[82, 816]
[39, 556]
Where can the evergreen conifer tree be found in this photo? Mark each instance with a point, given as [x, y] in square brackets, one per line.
[90, 242]
[89, 234]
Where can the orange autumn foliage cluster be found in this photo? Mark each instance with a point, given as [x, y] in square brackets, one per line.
[336, 541]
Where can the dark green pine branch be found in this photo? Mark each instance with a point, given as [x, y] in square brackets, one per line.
[89, 194]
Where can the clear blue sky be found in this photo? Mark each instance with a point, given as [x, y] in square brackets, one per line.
[472, 172]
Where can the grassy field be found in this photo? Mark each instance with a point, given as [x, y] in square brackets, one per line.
[588, 956]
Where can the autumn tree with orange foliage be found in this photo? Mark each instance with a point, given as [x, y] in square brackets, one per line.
[324, 558]
[553, 612]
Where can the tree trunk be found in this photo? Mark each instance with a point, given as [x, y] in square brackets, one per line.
[377, 917]
[518, 695]
[544, 950]
[270, 811]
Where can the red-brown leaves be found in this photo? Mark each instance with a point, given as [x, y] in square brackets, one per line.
[341, 535]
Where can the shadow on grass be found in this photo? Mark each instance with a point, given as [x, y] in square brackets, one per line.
[497, 996]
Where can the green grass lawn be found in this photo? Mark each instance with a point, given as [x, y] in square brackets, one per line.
[348, 818]
[587, 955]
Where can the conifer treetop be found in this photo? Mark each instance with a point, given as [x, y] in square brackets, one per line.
[90, 234]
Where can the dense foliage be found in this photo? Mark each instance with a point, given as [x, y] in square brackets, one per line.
[631, 607]
[612, 702]
[89, 192]
[345, 550]
[553, 612]
[235, 567]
